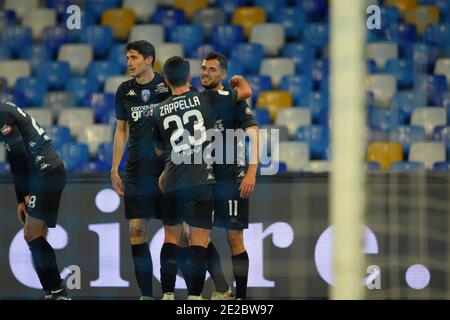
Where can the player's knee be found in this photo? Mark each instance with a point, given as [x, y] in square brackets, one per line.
[31, 233]
[236, 242]
[138, 236]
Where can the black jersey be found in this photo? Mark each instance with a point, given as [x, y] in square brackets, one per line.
[134, 103]
[31, 153]
[180, 126]
[239, 116]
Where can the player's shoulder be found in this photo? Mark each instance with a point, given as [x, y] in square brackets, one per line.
[126, 86]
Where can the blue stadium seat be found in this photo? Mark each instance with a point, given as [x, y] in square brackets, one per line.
[319, 71]
[250, 55]
[101, 70]
[55, 73]
[3, 85]
[293, 20]
[446, 100]
[17, 98]
[301, 53]
[300, 87]
[17, 39]
[389, 16]
[189, 36]
[259, 83]
[81, 88]
[262, 116]
[402, 33]
[442, 133]
[433, 86]
[234, 67]
[87, 19]
[441, 166]
[317, 137]
[59, 135]
[102, 104]
[373, 166]
[196, 83]
[406, 135]
[404, 102]
[73, 154]
[53, 37]
[225, 37]
[317, 34]
[60, 7]
[33, 89]
[424, 57]
[270, 6]
[229, 6]
[407, 166]
[4, 52]
[99, 37]
[117, 55]
[314, 9]
[318, 104]
[92, 167]
[438, 34]
[7, 18]
[202, 50]
[37, 55]
[380, 119]
[105, 153]
[403, 71]
[169, 18]
[444, 10]
[4, 167]
[98, 6]
[371, 66]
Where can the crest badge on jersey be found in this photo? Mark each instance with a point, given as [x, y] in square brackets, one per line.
[145, 95]
[6, 129]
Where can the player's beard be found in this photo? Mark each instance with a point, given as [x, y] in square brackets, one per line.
[212, 85]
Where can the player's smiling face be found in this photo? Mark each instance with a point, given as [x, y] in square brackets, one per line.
[211, 74]
[137, 64]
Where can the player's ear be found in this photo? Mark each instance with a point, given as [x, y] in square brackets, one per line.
[166, 82]
[149, 60]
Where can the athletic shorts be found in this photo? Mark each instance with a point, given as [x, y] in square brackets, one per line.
[142, 197]
[192, 205]
[45, 195]
[230, 210]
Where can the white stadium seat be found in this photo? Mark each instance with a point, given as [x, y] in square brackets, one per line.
[428, 153]
[276, 68]
[11, 70]
[79, 56]
[76, 119]
[270, 36]
[94, 135]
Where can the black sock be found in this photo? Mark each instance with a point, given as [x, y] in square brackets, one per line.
[196, 266]
[215, 269]
[182, 262]
[45, 262]
[143, 268]
[169, 266]
[240, 270]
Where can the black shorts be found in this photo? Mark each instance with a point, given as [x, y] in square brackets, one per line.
[192, 205]
[230, 210]
[45, 194]
[142, 197]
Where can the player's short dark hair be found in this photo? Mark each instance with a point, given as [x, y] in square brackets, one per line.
[223, 61]
[143, 47]
[177, 71]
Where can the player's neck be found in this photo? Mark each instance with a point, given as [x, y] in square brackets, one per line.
[180, 90]
[146, 77]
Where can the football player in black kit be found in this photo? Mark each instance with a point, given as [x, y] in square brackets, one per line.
[181, 124]
[39, 178]
[134, 101]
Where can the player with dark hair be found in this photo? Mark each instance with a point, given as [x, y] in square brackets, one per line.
[134, 101]
[234, 181]
[181, 125]
[39, 178]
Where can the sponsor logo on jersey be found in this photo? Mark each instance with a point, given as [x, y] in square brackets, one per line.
[249, 111]
[210, 177]
[224, 93]
[219, 125]
[138, 111]
[131, 93]
[145, 95]
[32, 144]
[161, 88]
[242, 174]
[44, 166]
[39, 158]
[6, 129]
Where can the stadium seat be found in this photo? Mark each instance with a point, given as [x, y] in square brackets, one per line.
[318, 104]
[406, 135]
[102, 104]
[317, 137]
[442, 134]
[300, 86]
[294, 154]
[99, 37]
[79, 56]
[4, 53]
[422, 16]
[250, 55]
[225, 37]
[169, 18]
[117, 55]
[371, 66]
[54, 37]
[120, 20]
[196, 65]
[402, 5]
[55, 73]
[428, 153]
[429, 118]
[3, 85]
[76, 119]
[277, 68]
[402, 33]
[11, 70]
[190, 6]
[424, 57]
[234, 68]
[292, 19]
[441, 166]
[273, 101]
[318, 166]
[57, 100]
[102, 70]
[7, 18]
[442, 67]
[301, 53]
[189, 36]
[320, 70]
[112, 83]
[402, 70]
[17, 98]
[317, 34]
[92, 166]
[81, 87]
[2, 155]
[21, 8]
[167, 50]
[43, 116]
[73, 154]
[151, 32]
[208, 18]
[404, 102]
[438, 34]
[433, 86]
[270, 137]
[383, 86]
[259, 83]
[380, 119]
[270, 7]
[407, 166]
[38, 19]
[247, 17]
[381, 52]
[202, 50]
[262, 116]
[293, 118]
[143, 9]
[60, 7]
[97, 7]
[33, 89]
[273, 44]
[444, 10]
[37, 55]
[17, 39]
[314, 9]
[385, 153]
[230, 6]
[94, 135]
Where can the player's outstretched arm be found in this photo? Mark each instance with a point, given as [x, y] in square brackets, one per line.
[241, 85]
[120, 142]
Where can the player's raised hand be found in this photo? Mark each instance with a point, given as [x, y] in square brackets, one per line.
[22, 212]
[247, 185]
[117, 183]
